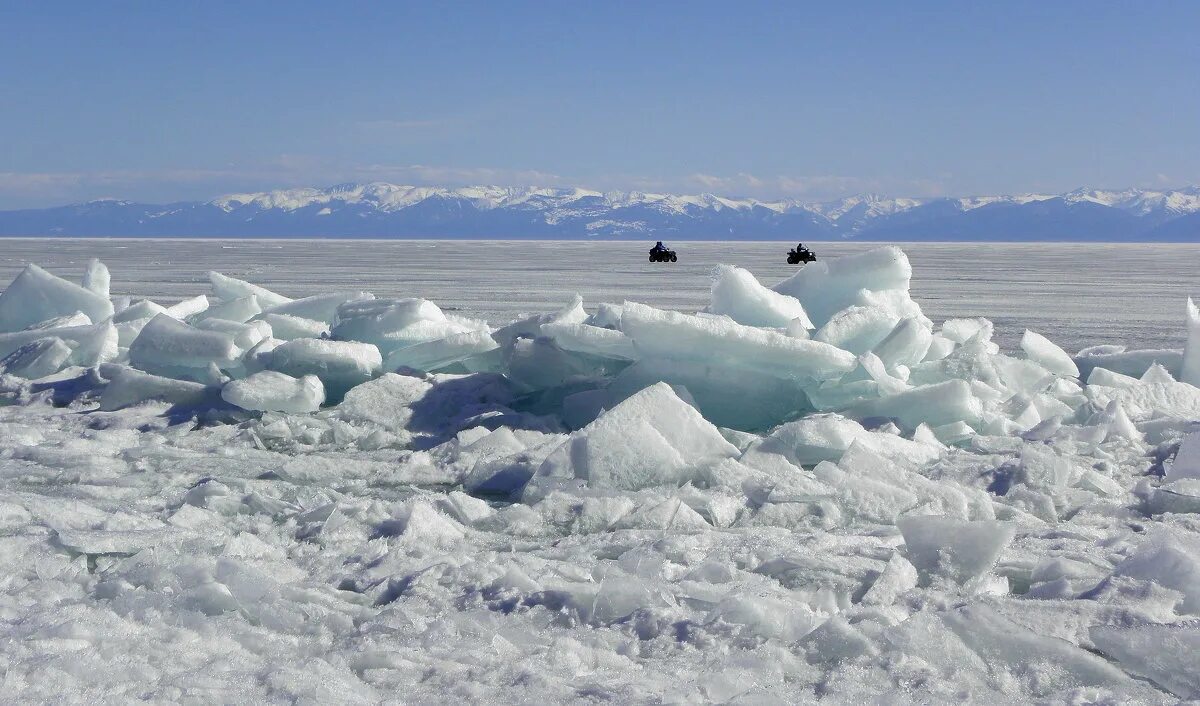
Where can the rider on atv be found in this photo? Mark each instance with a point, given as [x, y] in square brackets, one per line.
[800, 254]
[661, 253]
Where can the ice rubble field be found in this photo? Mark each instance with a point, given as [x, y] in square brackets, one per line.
[805, 491]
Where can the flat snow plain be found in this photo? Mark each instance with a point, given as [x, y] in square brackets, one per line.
[818, 490]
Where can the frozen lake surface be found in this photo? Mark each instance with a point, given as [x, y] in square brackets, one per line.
[823, 491]
[1080, 294]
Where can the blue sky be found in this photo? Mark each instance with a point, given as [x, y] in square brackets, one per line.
[170, 101]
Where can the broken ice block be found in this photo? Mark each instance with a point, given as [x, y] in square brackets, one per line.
[269, 391]
[737, 294]
[651, 439]
[719, 340]
[130, 387]
[828, 286]
[339, 364]
[167, 346]
[955, 549]
[227, 289]
[36, 295]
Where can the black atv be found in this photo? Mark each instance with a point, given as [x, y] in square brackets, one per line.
[800, 254]
[663, 255]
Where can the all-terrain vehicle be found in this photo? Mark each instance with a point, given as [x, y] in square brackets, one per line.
[800, 254]
[660, 253]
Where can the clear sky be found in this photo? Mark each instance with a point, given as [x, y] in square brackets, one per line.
[160, 101]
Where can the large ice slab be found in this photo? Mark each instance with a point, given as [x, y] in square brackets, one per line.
[142, 309]
[857, 329]
[438, 353]
[238, 310]
[1134, 363]
[1187, 460]
[319, 307]
[906, 344]
[229, 288]
[1168, 560]
[539, 364]
[1163, 654]
[727, 395]
[1044, 352]
[269, 391]
[935, 405]
[954, 549]
[90, 345]
[167, 346]
[130, 387]
[386, 401]
[36, 295]
[77, 318]
[188, 307]
[593, 340]
[532, 327]
[671, 334]
[1189, 367]
[287, 327]
[36, 359]
[826, 437]
[340, 365]
[737, 294]
[828, 286]
[1144, 400]
[245, 335]
[376, 321]
[96, 278]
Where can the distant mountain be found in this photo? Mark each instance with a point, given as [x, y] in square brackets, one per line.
[1185, 229]
[391, 211]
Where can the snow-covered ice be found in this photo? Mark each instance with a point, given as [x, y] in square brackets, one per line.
[805, 489]
[269, 391]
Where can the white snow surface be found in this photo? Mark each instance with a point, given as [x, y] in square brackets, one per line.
[383, 500]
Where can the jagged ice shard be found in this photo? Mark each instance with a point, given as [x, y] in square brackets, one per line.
[804, 490]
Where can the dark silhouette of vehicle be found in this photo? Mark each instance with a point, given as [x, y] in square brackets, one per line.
[660, 253]
[800, 254]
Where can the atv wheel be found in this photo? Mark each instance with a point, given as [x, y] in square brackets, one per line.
[653, 259]
[673, 258]
[793, 260]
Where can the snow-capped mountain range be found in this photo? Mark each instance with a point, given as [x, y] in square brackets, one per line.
[396, 211]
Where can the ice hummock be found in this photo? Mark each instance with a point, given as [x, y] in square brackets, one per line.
[804, 490]
[650, 439]
[36, 295]
[737, 294]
